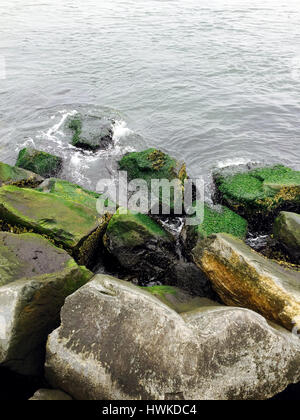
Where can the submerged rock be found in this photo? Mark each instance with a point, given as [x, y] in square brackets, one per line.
[35, 278]
[287, 233]
[50, 395]
[261, 193]
[153, 164]
[242, 277]
[140, 245]
[91, 132]
[39, 162]
[217, 219]
[76, 227]
[116, 341]
[12, 175]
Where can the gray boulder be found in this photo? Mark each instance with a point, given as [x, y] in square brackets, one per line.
[117, 341]
[35, 278]
[287, 233]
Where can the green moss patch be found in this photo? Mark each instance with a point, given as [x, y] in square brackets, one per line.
[12, 175]
[39, 162]
[260, 192]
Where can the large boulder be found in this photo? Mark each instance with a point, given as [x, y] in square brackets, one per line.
[42, 163]
[259, 194]
[153, 164]
[140, 245]
[287, 232]
[242, 277]
[91, 132]
[217, 219]
[35, 278]
[11, 175]
[74, 226]
[117, 341]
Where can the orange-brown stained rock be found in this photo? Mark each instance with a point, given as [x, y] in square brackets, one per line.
[244, 278]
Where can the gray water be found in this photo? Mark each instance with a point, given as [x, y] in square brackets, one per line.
[213, 82]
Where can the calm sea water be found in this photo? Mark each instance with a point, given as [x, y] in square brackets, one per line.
[211, 81]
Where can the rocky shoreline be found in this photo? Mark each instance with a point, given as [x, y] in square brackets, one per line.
[217, 320]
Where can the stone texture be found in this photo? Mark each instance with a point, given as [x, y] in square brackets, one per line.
[42, 163]
[287, 233]
[35, 278]
[12, 175]
[68, 223]
[116, 341]
[140, 245]
[50, 395]
[242, 277]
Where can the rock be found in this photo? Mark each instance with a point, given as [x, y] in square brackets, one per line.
[217, 219]
[11, 175]
[187, 276]
[91, 133]
[50, 395]
[39, 162]
[72, 192]
[116, 341]
[140, 245]
[287, 233]
[75, 227]
[259, 194]
[35, 278]
[154, 164]
[242, 277]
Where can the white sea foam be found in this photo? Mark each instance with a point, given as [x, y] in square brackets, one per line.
[233, 162]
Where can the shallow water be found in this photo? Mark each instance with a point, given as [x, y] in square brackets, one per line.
[211, 81]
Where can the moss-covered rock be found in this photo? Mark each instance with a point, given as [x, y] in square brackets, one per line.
[287, 233]
[39, 162]
[154, 164]
[217, 219]
[139, 244]
[35, 279]
[242, 277]
[68, 223]
[91, 132]
[261, 193]
[12, 175]
[72, 192]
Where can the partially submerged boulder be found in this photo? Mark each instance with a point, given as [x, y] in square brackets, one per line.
[139, 244]
[117, 341]
[217, 219]
[91, 132]
[242, 277]
[12, 175]
[287, 233]
[259, 194]
[74, 226]
[50, 395]
[153, 164]
[42, 163]
[35, 279]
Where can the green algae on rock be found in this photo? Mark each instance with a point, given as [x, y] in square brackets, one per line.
[12, 175]
[260, 193]
[69, 224]
[73, 192]
[91, 132]
[217, 219]
[39, 162]
[287, 232]
[153, 164]
[35, 279]
[139, 244]
[244, 278]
